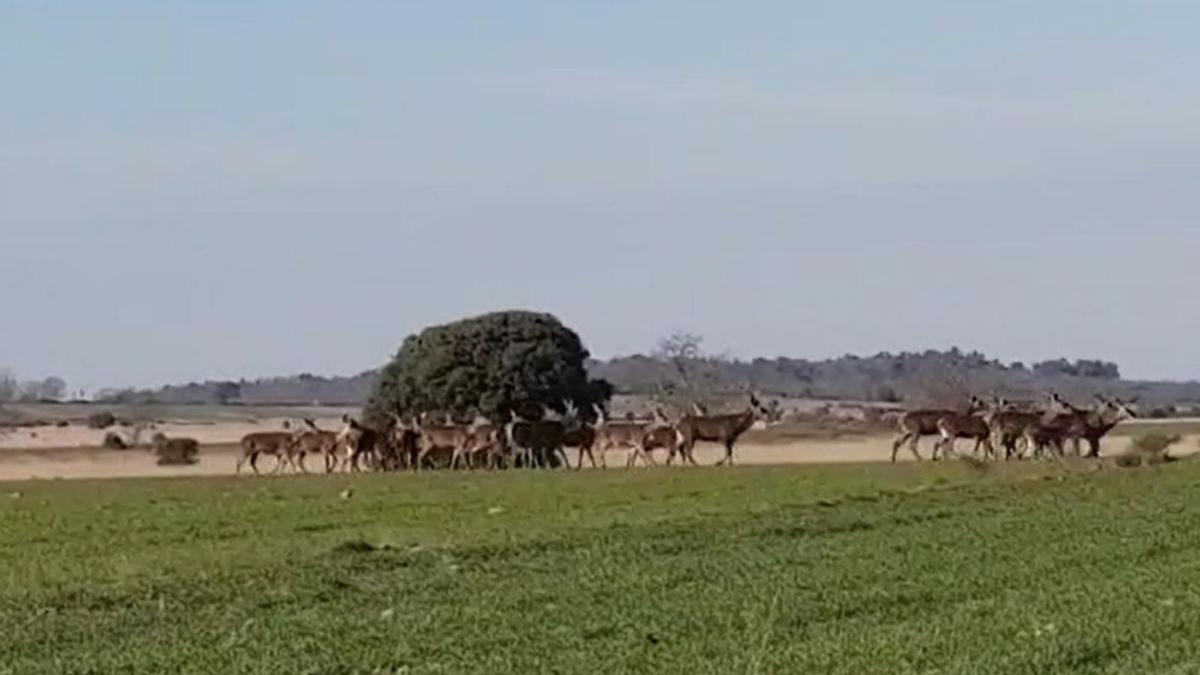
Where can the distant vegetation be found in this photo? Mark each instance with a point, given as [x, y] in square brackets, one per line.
[910, 378]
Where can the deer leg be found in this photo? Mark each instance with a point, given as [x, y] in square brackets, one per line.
[728, 458]
[254, 462]
[1093, 447]
[303, 468]
[648, 455]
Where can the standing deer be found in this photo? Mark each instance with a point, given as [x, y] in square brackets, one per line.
[442, 439]
[485, 444]
[612, 434]
[536, 442]
[359, 441]
[723, 429]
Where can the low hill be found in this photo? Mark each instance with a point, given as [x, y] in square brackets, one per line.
[910, 378]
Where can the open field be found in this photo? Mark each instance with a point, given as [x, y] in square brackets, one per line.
[74, 452]
[827, 569]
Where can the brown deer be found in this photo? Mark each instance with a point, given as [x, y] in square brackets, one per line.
[723, 429]
[313, 441]
[964, 425]
[440, 439]
[613, 434]
[1007, 424]
[535, 443]
[917, 423]
[275, 443]
[485, 444]
[1113, 412]
[358, 441]
[1081, 424]
[659, 434]
[405, 442]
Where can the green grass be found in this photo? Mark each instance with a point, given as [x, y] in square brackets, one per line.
[850, 569]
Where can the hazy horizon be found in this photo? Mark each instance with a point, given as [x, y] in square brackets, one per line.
[216, 191]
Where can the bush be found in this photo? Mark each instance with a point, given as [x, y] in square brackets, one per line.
[101, 420]
[176, 451]
[489, 365]
[114, 441]
[1147, 449]
[1152, 443]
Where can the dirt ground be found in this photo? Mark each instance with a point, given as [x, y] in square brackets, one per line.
[53, 458]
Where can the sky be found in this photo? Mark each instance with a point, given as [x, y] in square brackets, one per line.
[196, 190]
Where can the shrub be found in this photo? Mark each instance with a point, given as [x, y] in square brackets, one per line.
[1147, 449]
[489, 365]
[1152, 443]
[176, 451]
[114, 441]
[101, 420]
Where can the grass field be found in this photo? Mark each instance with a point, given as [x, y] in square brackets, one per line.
[811, 569]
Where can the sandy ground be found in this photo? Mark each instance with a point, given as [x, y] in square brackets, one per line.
[90, 462]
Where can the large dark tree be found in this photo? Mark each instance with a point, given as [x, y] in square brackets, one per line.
[488, 365]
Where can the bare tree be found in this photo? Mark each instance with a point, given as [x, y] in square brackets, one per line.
[9, 388]
[697, 374]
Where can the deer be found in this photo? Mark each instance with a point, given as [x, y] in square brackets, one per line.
[534, 442]
[446, 438]
[1113, 413]
[405, 442]
[610, 434]
[316, 441]
[917, 423]
[485, 444]
[358, 440]
[723, 429]
[658, 434]
[1081, 424]
[964, 425]
[276, 443]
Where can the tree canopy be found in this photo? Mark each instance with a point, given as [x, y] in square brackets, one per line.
[489, 365]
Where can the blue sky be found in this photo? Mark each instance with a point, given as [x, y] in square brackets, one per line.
[204, 190]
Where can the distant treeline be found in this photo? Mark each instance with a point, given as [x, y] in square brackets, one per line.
[912, 378]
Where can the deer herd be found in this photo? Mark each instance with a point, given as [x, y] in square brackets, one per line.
[1001, 430]
[418, 442]
[1005, 430]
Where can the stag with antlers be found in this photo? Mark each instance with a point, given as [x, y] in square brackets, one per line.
[723, 429]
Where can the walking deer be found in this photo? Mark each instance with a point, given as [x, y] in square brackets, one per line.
[964, 425]
[723, 429]
[275, 443]
[659, 434]
[313, 441]
[917, 423]
[612, 434]
[442, 439]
